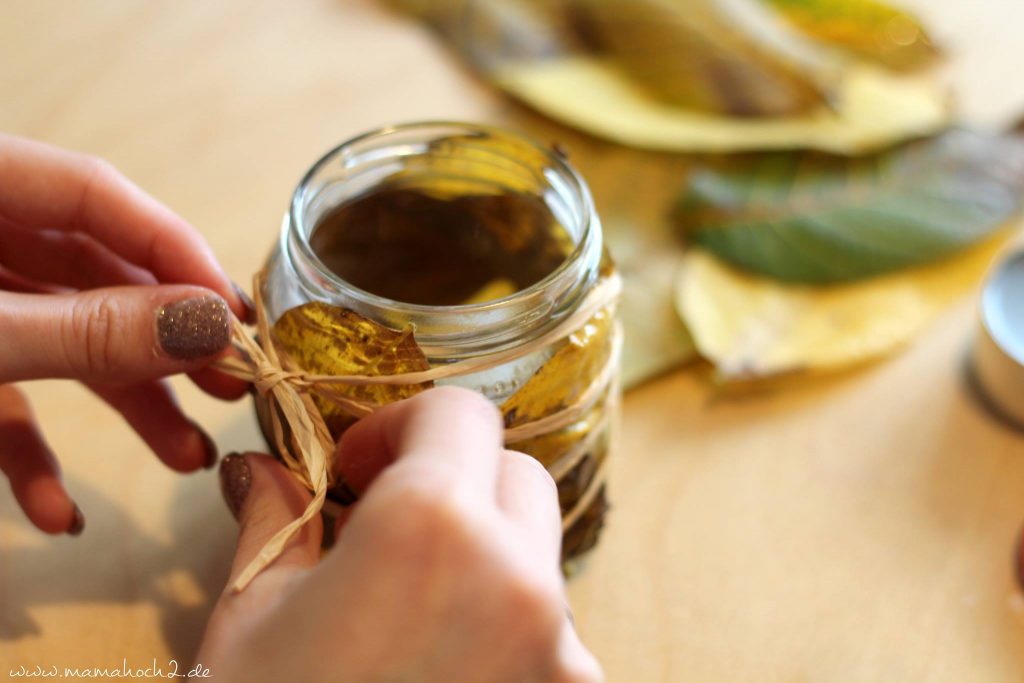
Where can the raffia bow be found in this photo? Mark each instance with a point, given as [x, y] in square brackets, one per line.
[307, 447]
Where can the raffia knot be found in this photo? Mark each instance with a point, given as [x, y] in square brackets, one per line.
[266, 376]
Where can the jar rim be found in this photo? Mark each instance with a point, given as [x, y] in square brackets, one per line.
[589, 232]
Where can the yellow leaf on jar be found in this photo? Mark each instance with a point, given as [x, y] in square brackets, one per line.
[330, 340]
[566, 375]
[752, 327]
[549, 448]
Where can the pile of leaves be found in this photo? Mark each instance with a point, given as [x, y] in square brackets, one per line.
[832, 210]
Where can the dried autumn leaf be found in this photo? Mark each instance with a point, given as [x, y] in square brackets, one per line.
[329, 340]
[573, 485]
[488, 32]
[732, 58]
[548, 448]
[751, 327]
[566, 375]
[474, 163]
[534, 50]
[872, 109]
[816, 219]
[866, 28]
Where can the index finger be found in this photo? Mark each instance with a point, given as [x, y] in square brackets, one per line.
[45, 187]
[453, 432]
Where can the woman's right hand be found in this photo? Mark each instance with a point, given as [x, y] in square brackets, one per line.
[446, 570]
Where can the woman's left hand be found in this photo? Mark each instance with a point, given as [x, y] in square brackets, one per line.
[101, 283]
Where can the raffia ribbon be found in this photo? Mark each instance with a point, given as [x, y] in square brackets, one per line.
[307, 447]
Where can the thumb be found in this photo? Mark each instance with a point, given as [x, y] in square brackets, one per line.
[118, 334]
[265, 497]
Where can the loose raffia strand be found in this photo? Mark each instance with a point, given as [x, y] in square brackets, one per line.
[306, 446]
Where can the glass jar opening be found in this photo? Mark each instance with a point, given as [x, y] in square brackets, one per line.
[435, 164]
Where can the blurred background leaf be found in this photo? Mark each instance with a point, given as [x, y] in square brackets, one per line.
[698, 55]
[628, 85]
[868, 29]
[673, 75]
[874, 109]
[753, 328]
[813, 218]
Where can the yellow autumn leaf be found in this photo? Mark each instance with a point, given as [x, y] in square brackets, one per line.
[471, 164]
[566, 375]
[330, 340]
[751, 327]
[548, 448]
[873, 108]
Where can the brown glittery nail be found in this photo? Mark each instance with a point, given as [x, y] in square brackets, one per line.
[235, 480]
[247, 302]
[194, 328]
[77, 522]
[210, 451]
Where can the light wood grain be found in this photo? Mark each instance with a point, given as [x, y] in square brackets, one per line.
[856, 528]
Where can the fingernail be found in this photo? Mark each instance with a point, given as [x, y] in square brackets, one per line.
[209, 447]
[247, 302]
[235, 480]
[77, 522]
[194, 328]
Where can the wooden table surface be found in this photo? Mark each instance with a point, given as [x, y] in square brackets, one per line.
[855, 528]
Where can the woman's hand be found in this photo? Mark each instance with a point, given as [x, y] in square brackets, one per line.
[101, 283]
[447, 569]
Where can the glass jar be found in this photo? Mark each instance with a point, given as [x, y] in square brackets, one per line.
[453, 160]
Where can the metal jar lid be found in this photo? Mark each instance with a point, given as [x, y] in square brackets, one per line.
[997, 357]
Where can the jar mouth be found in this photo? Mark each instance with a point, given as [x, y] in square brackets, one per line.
[367, 159]
[578, 185]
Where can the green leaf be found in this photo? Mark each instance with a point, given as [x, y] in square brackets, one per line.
[813, 218]
[865, 28]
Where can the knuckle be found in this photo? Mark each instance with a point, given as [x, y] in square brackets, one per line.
[414, 527]
[424, 507]
[91, 327]
[590, 674]
[584, 669]
[532, 616]
[98, 170]
[428, 507]
[537, 606]
[532, 468]
[97, 173]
